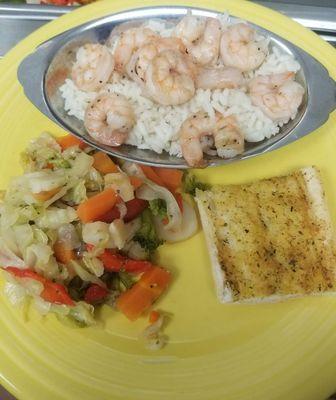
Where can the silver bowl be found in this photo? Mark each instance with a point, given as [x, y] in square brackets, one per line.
[44, 71]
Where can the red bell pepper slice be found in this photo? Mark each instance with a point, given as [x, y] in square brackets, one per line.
[134, 208]
[116, 263]
[95, 294]
[56, 293]
[52, 292]
[25, 273]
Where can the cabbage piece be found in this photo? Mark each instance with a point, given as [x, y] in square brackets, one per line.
[54, 217]
[153, 335]
[84, 274]
[118, 233]
[52, 270]
[133, 169]
[24, 236]
[67, 234]
[39, 257]
[37, 253]
[96, 233]
[93, 264]
[42, 307]
[94, 181]
[32, 286]
[120, 182]
[39, 235]
[151, 191]
[8, 258]
[44, 180]
[9, 216]
[80, 163]
[15, 293]
[76, 194]
[121, 233]
[18, 194]
[121, 206]
[134, 250]
[9, 238]
[28, 163]
[56, 197]
[28, 213]
[59, 163]
[83, 313]
[59, 309]
[20, 288]
[79, 316]
[44, 141]
[41, 151]
[21, 189]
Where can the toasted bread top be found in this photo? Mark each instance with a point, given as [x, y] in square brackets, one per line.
[270, 238]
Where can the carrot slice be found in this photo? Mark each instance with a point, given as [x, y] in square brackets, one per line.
[172, 178]
[94, 207]
[70, 140]
[62, 252]
[134, 302]
[135, 181]
[154, 316]
[46, 194]
[152, 175]
[103, 163]
[155, 280]
[141, 296]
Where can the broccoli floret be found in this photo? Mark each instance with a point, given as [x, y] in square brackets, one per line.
[190, 184]
[158, 208]
[146, 236]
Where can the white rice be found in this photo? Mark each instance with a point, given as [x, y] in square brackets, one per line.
[157, 126]
[75, 100]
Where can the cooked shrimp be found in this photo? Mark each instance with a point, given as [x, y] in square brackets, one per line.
[93, 67]
[227, 138]
[190, 28]
[201, 37]
[109, 119]
[129, 41]
[229, 141]
[239, 48]
[137, 66]
[219, 78]
[190, 134]
[170, 78]
[277, 95]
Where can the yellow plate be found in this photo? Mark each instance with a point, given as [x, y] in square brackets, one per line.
[275, 351]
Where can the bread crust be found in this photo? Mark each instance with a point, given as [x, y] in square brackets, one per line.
[304, 265]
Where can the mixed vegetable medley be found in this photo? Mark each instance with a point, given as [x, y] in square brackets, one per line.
[79, 229]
